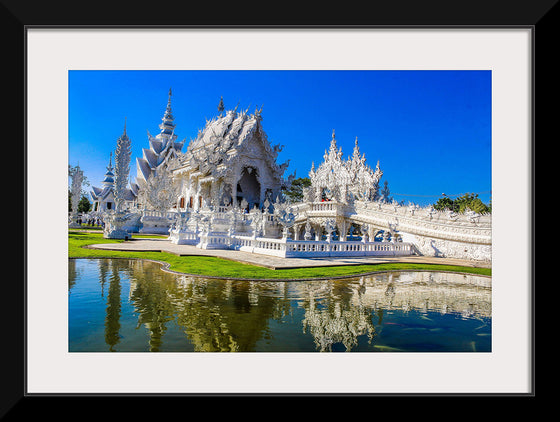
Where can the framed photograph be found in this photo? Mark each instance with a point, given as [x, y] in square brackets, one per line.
[115, 65]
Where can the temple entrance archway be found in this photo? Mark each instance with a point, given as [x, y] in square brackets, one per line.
[248, 187]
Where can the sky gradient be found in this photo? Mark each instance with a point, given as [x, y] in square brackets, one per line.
[430, 130]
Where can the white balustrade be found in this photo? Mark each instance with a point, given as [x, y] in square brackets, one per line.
[302, 248]
[159, 214]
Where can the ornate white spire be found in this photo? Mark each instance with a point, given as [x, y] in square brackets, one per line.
[163, 147]
[122, 167]
[167, 126]
[340, 177]
[109, 180]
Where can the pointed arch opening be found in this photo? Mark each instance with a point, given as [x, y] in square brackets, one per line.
[249, 187]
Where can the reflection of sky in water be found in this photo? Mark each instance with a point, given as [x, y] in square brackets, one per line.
[131, 305]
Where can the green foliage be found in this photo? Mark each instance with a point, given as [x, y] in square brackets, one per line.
[84, 205]
[295, 192]
[444, 203]
[462, 203]
[385, 194]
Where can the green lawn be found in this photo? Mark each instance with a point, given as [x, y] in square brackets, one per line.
[219, 267]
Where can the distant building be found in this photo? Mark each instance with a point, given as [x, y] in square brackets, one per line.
[104, 197]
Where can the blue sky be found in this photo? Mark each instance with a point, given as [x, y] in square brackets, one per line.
[430, 130]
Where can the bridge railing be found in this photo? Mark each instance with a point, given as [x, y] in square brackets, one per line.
[170, 215]
[346, 248]
[312, 248]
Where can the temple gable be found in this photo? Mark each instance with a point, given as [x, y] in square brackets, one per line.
[230, 162]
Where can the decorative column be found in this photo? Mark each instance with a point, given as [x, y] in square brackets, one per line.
[116, 220]
[296, 231]
[122, 168]
[342, 225]
[307, 235]
[365, 235]
[318, 232]
[197, 196]
[76, 191]
[329, 227]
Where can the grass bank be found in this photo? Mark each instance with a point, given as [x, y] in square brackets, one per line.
[218, 267]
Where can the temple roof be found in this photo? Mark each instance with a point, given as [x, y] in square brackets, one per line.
[221, 140]
[162, 147]
[101, 194]
[109, 179]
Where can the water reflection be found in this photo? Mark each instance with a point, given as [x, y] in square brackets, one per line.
[145, 309]
[113, 310]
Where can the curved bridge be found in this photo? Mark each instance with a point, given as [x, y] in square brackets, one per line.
[432, 232]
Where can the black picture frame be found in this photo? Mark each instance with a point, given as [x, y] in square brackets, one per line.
[18, 16]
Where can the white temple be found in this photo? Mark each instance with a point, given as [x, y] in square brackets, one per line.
[230, 162]
[225, 192]
[104, 197]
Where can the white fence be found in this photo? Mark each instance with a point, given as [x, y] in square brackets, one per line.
[302, 248]
[170, 215]
[288, 248]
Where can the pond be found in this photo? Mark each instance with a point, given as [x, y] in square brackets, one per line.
[122, 305]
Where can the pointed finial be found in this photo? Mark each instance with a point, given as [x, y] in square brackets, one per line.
[221, 105]
[333, 143]
[168, 109]
[258, 112]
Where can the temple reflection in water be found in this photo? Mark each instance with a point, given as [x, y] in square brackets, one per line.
[138, 307]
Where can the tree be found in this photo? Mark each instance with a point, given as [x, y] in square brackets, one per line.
[471, 201]
[295, 192]
[385, 193]
[445, 203]
[460, 204]
[84, 205]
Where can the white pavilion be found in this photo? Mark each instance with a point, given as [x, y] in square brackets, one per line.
[230, 162]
